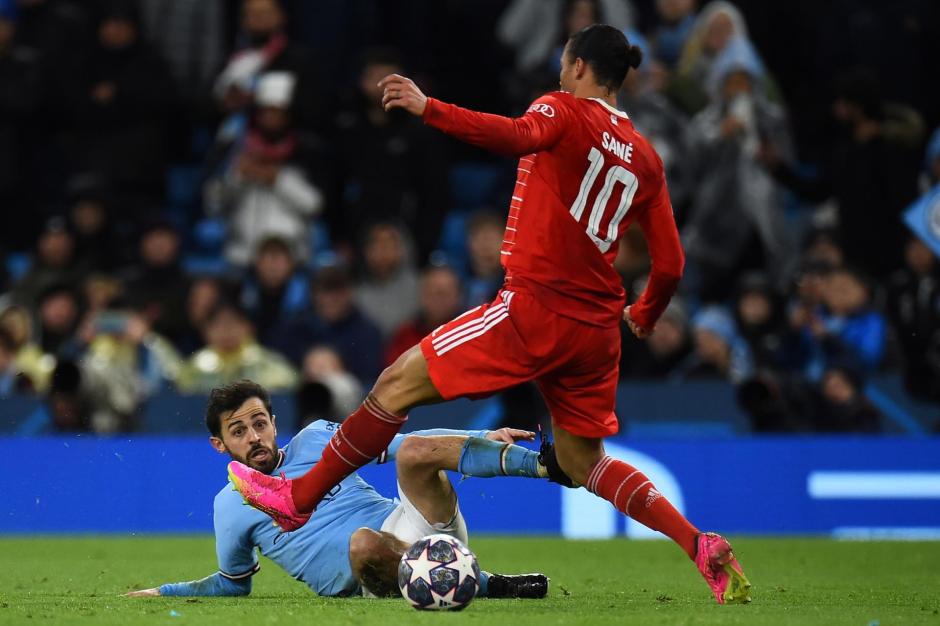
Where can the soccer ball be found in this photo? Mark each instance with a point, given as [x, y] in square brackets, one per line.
[438, 572]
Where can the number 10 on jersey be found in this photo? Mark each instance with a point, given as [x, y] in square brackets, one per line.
[616, 174]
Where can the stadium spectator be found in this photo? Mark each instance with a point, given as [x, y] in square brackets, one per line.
[485, 273]
[557, 19]
[719, 25]
[11, 379]
[264, 47]
[337, 322]
[327, 390]
[736, 213]
[29, 359]
[389, 166]
[124, 350]
[870, 172]
[719, 352]
[676, 20]
[822, 246]
[263, 190]
[845, 328]
[156, 286]
[97, 245]
[205, 292]
[19, 99]
[53, 263]
[60, 312]
[660, 122]
[914, 309]
[121, 101]
[275, 290]
[664, 352]
[190, 35]
[440, 301]
[842, 405]
[932, 159]
[758, 314]
[388, 291]
[231, 353]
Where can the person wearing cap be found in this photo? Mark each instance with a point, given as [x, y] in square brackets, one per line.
[263, 191]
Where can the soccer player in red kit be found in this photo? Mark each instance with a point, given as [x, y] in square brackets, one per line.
[584, 175]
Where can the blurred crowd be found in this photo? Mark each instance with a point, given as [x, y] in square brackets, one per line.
[198, 191]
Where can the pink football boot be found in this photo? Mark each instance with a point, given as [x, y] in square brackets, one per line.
[270, 494]
[721, 570]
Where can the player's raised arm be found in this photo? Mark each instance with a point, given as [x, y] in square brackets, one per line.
[540, 128]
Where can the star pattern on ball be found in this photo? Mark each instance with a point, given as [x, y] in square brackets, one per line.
[420, 568]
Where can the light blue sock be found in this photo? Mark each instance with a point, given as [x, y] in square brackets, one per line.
[484, 584]
[485, 458]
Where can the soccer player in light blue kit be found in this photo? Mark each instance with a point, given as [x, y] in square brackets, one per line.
[354, 543]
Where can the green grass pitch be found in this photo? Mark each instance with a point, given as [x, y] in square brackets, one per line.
[79, 580]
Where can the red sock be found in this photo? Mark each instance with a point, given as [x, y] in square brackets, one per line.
[363, 436]
[632, 493]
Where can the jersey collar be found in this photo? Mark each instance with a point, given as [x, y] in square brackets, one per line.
[616, 112]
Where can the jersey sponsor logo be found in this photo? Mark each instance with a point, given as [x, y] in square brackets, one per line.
[545, 109]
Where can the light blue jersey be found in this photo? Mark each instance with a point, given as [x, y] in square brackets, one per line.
[318, 552]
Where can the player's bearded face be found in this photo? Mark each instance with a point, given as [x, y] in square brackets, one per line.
[249, 436]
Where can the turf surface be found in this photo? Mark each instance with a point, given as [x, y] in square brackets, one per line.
[796, 581]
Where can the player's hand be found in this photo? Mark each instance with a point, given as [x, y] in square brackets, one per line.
[636, 329]
[510, 435]
[143, 593]
[402, 93]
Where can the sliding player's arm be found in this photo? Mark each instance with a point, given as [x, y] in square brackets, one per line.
[505, 435]
[542, 126]
[667, 259]
[237, 562]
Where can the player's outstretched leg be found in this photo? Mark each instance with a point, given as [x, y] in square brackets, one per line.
[361, 437]
[633, 494]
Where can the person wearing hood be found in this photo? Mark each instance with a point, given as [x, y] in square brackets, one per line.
[736, 215]
[841, 403]
[758, 312]
[719, 25]
[263, 189]
[120, 105]
[388, 292]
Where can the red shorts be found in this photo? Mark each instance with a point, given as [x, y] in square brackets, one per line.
[514, 339]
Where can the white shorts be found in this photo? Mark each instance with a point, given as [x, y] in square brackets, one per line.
[407, 523]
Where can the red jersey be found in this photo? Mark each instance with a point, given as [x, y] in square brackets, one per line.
[585, 174]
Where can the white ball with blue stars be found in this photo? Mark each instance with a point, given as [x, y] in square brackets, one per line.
[438, 572]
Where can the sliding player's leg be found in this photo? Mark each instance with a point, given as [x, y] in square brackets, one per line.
[428, 502]
[374, 557]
